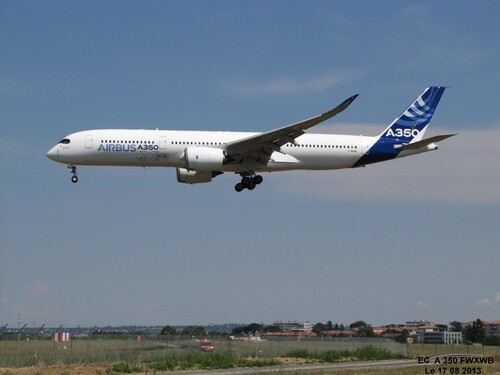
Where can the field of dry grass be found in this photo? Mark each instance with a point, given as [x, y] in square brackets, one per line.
[139, 366]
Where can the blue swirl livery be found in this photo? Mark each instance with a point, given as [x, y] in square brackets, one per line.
[406, 129]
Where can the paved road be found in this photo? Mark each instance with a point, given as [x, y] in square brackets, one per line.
[321, 367]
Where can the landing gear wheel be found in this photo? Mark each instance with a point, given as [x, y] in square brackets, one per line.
[245, 181]
[249, 180]
[74, 179]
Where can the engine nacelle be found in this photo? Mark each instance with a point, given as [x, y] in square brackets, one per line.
[193, 177]
[204, 159]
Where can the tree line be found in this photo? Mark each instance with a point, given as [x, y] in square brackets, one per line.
[473, 333]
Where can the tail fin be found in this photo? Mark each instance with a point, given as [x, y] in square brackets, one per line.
[411, 125]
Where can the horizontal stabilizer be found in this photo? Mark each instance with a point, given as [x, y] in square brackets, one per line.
[423, 142]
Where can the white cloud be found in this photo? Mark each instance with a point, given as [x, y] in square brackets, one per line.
[422, 305]
[295, 86]
[488, 301]
[483, 302]
[464, 170]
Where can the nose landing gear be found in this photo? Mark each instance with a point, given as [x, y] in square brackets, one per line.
[248, 181]
[74, 178]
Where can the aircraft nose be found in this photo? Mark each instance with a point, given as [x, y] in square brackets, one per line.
[53, 153]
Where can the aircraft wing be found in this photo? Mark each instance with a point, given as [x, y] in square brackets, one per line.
[423, 142]
[260, 147]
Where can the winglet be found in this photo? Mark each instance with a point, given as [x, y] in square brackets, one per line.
[325, 116]
[346, 103]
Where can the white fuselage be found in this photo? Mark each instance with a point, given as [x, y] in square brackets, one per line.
[199, 156]
[166, 148]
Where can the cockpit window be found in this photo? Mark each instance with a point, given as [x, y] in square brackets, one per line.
[65, 141]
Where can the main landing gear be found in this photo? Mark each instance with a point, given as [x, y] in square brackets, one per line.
[74, 178]
[248, 182]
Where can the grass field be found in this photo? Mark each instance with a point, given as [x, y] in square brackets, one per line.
[118, 356]
[26, 353]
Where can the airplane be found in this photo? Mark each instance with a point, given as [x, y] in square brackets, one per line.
[199, 156]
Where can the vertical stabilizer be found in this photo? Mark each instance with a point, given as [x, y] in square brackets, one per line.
[406, 129]
[411, 125]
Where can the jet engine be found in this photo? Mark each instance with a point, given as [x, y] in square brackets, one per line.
[204, 159]
[193, 177]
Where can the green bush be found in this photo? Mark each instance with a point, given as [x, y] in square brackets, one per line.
[366, 353]
[206, 362]
[372, 353]
[301, 354]
[333, 356]
[166, 364]
[123, 368]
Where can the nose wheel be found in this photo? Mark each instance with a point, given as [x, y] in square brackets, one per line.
[248, 182]
[74, 178]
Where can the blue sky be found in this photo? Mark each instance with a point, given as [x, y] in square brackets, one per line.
[415, 238]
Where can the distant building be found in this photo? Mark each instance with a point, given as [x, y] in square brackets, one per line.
[418, 323]
[430, 338]
[339, 333]
[432, 328]
[440, 337]
[451, 338]
[294, 326]
[492, 328]
[298, 335]
[415, 327]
